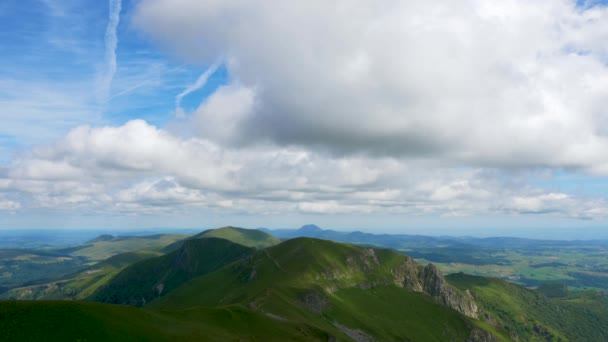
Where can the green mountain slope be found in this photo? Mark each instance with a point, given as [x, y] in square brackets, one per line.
[530, 316]
[81, 284]
[338, 288]
[147, 280]
[246, 237]
[305, 289]
[77, 321]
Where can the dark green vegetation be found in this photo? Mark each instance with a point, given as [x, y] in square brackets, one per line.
[81, 284]
[579, 264]
[303, 289]
[531, 316]
[18, 266]
[66, 272]
[77, 321]
[147, 280]
[211, 287]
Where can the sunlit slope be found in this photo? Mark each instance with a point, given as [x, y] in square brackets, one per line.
[530, 316]
[246, 237]
[338, 288]
[77, 321]
[147, 280]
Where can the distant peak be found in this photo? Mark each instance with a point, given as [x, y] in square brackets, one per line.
[310, 228]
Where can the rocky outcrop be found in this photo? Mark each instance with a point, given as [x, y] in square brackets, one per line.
[478, 335]
[357, 335]
[407, 275]
[314, 301]
[435, 285]
[430, 281]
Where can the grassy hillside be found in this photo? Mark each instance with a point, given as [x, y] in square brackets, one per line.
[245, 237]
[81, 284]
[531, 316]
[338, 288]
[146, 280]
[305, 289]
[77, 321]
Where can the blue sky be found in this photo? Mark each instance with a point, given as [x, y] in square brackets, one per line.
[404, 117]
[58, 47]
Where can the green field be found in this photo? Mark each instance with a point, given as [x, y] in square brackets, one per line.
[73, 272]
[580, 267]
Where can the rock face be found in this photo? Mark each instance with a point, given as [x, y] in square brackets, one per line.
[430, 281]
[409, 274]
[478, 335]
[435, 285]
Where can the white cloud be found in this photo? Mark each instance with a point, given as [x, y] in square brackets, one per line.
[477, 83]
[9, 205]
[138, 168]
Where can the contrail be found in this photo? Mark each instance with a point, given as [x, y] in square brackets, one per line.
[202, 80]
[111, 42]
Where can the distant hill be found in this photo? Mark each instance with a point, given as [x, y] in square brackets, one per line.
[147, 280]
[106, 246]
[400, 241]
[246, 237]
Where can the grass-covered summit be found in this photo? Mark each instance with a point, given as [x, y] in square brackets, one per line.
[246, 237]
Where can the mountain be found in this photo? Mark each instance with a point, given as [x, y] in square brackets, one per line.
[147, 280]
[305, 289]
[246, 237]
[383, 240]
[342, 289]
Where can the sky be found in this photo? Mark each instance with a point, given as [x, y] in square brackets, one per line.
[384, 116]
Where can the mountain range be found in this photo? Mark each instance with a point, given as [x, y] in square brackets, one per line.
[238, 284]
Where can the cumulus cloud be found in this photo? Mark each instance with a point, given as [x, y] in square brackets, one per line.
[478, 83]
[140, 168]
[9, 205]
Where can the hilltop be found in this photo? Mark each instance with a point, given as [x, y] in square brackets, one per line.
[246, 237]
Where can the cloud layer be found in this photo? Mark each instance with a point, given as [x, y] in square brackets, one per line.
[138, 168]
[509, 84]
[388, 108]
